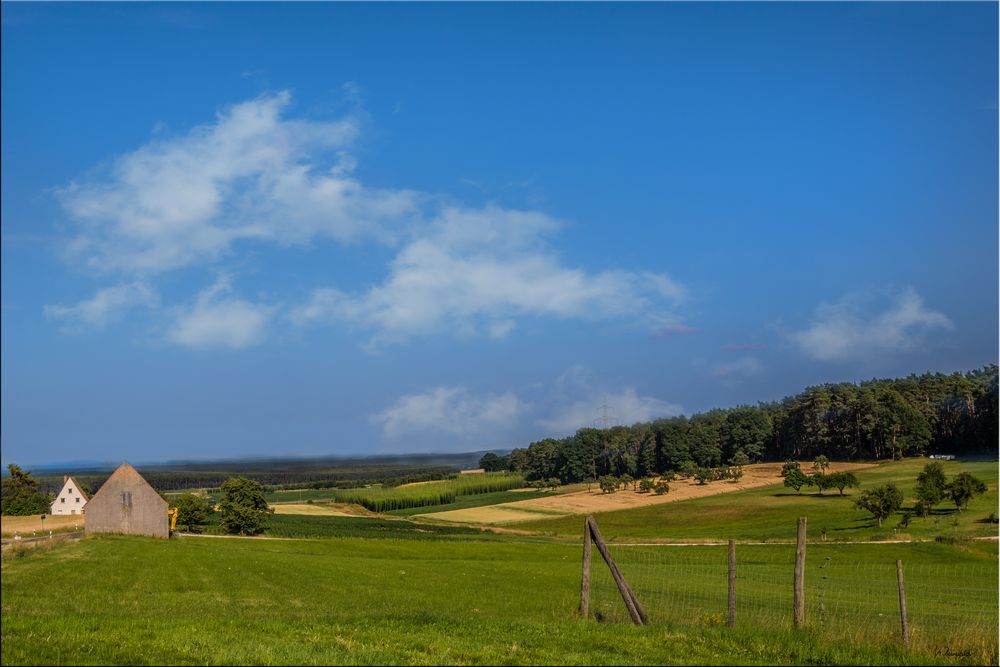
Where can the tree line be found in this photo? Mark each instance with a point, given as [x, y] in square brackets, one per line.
[873, 420]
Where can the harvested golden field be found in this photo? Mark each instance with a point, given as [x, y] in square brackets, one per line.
[593, 501]
[23, 525]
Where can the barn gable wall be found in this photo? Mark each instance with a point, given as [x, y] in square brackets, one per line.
[127, 504]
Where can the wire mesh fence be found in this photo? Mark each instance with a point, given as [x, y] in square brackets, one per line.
[951, 607]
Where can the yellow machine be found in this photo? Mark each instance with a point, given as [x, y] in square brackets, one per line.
[172, 513]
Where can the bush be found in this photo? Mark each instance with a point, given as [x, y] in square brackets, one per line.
[704, 475]
[661, 488]
[192, 511]
[646, 485]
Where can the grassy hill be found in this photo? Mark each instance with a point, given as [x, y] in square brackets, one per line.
[770, 513]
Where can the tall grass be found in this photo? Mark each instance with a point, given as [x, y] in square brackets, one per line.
[380, 499]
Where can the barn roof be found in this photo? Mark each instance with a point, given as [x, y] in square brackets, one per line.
[126, 472]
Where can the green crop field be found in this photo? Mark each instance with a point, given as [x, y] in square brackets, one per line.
[378, 499]
[129, 600]
[771, 513]
[479, 500]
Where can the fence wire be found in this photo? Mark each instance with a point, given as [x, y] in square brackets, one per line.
[952, 608]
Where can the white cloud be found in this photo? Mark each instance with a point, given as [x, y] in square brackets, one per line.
[250, 175]
[478, 270]
[105, 306]
[848, 329]
[219, 320]
[254, 175]
[449, 410]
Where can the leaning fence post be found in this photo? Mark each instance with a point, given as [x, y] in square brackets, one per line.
[798, 601]
[585, 582]
[732, 584]
[904, 621]
[635, 609]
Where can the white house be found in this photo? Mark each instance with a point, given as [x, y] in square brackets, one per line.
[71, 499]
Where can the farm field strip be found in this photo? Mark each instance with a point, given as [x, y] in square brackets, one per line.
[24, 525]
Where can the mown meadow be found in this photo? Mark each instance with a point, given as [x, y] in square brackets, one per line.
[441, 600]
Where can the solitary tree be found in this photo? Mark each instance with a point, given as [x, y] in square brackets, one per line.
[844, 480]
[192, 511]
[931, 487]
[821, 464]
[796, 479]
[823, 482]
[964, 488]
[881, 501]
[243, 507]
[19, 494]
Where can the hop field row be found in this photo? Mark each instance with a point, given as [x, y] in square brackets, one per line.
[380, 499]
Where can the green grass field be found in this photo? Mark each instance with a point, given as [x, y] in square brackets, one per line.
[383, 591]
[771, 513]
[127, 600]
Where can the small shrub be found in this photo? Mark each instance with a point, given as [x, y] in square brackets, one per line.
[661, 488]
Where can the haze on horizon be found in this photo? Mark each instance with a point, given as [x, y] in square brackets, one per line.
[323, 229]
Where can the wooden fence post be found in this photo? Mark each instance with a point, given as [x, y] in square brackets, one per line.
[585, 583]
[732, 584]
[635, 609]
[798, 600]
[904, 621]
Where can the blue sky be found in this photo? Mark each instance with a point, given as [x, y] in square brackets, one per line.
[306, 229]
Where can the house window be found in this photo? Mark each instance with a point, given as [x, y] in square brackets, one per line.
[127, 499]
[62, 500]
[78, 499]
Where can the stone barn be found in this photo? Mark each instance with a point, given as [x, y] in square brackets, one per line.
[127, 504]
